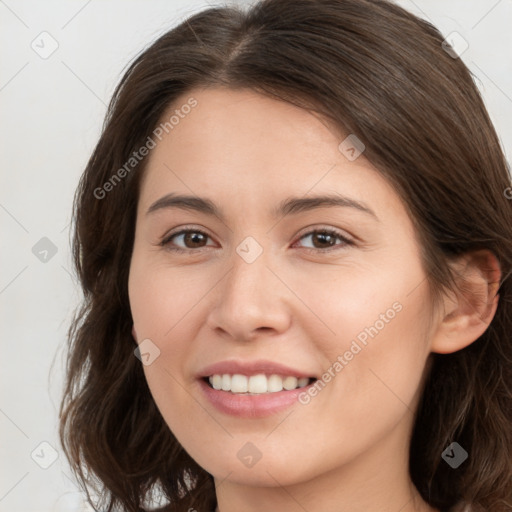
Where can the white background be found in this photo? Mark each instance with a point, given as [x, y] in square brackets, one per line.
[51, 114]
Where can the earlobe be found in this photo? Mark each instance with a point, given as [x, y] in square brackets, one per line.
[471, 307]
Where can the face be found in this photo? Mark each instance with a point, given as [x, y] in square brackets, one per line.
[329, 296]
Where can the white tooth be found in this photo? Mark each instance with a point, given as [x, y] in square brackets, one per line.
[226, 382]
[290, 383]
[239, 383]
[275, 383]
[303, 381]
[258, 383]
[216, 381]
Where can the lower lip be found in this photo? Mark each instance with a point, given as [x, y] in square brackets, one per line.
[251, 406]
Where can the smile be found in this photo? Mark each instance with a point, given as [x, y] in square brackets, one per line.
[256, 384]
[252, 389]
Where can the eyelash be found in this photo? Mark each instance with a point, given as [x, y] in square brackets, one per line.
[328, 231]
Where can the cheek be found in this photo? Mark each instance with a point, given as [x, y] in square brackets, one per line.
[177, 399]
[378, 344]
[361, 303]
[161, 298]
[165, 305]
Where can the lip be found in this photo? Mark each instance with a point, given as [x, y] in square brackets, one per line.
[249, 368]
[251, 406]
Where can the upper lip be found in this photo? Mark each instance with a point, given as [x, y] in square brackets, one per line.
[251, 368]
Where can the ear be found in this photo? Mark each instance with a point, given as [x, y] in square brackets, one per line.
[469, 309]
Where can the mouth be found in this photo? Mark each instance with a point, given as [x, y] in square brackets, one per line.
[253, 389]
[254, 385]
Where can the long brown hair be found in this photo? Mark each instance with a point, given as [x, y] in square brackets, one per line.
[380, 73]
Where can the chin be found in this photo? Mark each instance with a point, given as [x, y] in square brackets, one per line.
[265, 473]
[264, 477]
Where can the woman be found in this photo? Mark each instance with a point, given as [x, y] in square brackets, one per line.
[295, 246]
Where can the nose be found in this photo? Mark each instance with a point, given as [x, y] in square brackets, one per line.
[250, 300]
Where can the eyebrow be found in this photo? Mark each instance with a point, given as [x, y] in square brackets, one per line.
[290, 206]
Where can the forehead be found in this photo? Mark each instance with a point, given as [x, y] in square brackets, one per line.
[240, 127]
[260, 147]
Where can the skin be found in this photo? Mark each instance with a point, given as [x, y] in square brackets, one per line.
[347, 449]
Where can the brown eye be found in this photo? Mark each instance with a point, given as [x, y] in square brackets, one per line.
[325, 239]
[191, 238]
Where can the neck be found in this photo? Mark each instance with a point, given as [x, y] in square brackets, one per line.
[376, 479]
[292, 498]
